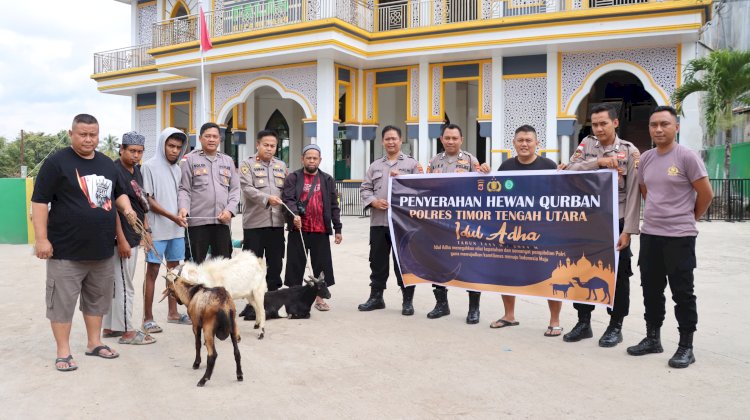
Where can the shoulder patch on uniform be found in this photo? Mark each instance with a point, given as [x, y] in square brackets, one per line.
[244, 169]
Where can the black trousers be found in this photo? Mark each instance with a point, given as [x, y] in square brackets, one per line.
[319, 247]
[380, 250]
[621, 307]
[216, 236]
[267, 242]
[671, 258]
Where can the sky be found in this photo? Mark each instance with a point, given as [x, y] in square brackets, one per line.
[46, 59]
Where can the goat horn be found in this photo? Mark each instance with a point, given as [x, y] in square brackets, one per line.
[164, 295]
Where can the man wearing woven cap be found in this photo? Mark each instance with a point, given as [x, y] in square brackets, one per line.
[118, 322]
[311, 195]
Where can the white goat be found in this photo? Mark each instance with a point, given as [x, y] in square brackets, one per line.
[244, 277]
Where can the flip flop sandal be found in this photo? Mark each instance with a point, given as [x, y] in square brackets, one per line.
[322, 306]
[551, 329]
[151, 327]
[67, 360]
[97, 351]
[138, 339]
[184, 320]
[501, 323]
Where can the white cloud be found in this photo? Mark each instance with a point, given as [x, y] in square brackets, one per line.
[47, 50]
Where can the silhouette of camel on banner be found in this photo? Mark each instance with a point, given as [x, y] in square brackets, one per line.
[593, 284]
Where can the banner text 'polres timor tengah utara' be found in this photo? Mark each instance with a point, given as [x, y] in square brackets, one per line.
[550, 234]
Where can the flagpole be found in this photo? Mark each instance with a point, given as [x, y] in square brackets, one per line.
[203, 74]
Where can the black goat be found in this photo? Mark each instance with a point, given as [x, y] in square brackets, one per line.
[297, 300]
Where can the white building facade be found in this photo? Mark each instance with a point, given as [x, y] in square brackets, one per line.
[334, 72]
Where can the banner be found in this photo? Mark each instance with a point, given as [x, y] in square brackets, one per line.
[549, 234]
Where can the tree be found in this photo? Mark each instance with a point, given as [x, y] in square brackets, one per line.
[37, 146]
[724, 77]
[109, 146]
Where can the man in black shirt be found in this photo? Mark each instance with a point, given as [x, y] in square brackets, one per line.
[75, 236]
[525, 142]
[119, 320]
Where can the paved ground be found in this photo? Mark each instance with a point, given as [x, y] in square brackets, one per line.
[347, 364]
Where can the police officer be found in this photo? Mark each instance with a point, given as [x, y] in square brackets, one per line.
[608, 151]
[374, 193]
[261, 179]
[454, 160]
[208, 197]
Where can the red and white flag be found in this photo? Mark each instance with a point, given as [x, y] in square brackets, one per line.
[205, 38]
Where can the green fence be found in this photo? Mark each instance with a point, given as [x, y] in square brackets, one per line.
[14, 199]
[739, 164]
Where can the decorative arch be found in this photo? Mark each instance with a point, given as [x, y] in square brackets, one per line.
[272, 83]
[649, 84]
[179, 5]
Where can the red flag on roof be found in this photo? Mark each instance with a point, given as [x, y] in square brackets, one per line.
[205, 38]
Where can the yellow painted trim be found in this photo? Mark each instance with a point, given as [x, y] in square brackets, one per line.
[678, 83]
[559, 83]
[477, 26]
[562, 116]
[145, 107]
[140, 82]
[30, 238]
[540, 151]
[525, 76]
[149, 3]
[503, 151]
[459, 79]
[191, 117]
[280, 66]
[276, 81]
[122, 73]
[589, 75]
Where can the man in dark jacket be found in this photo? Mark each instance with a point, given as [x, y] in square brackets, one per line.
[311, 195]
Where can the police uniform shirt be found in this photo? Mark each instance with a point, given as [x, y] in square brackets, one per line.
[585, 158]
[259, 180]
[444, 164]
[375, 185]
[208, 186]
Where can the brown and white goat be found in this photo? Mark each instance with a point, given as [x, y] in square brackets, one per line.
[211, 310]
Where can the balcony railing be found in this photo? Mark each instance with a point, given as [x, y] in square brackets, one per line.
[403, 14]
[262, 14]
[122, 59]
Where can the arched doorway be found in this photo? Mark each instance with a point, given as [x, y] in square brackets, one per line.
[626, 92]
[269, 110]
[278, 123]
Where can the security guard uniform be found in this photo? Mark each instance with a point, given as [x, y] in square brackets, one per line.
[585, 158]
[209, 185]
[262, 223]
[375, 187]
[445, 164]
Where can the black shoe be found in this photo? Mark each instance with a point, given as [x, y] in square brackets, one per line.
[407, 308]
[441, 305]
[248, 313]
[650, 344]
[612, 336]
[579, 332]
[472, 317]
[374, 302]
[682, 358]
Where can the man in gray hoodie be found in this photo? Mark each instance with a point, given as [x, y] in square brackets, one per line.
[161, 181]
